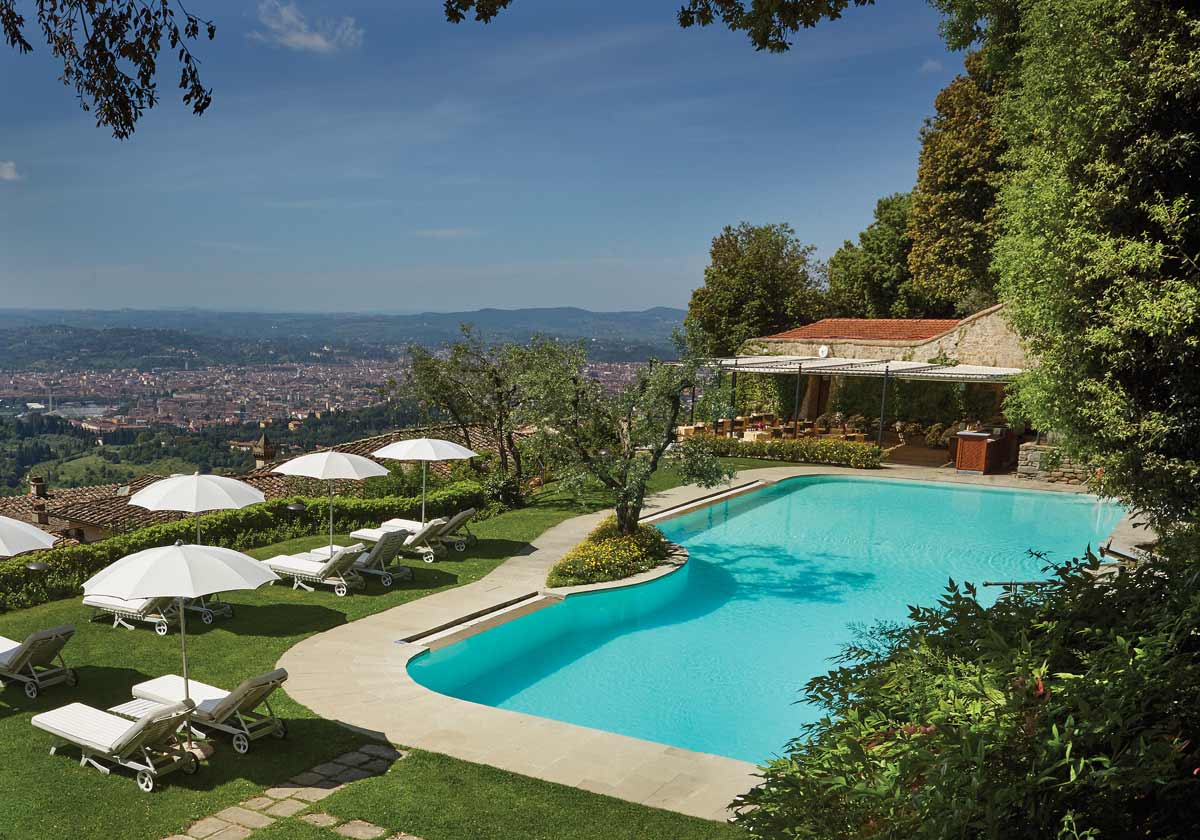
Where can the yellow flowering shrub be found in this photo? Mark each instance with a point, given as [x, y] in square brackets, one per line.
[608, 555]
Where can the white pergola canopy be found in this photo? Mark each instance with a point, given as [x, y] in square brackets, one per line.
[891, 368]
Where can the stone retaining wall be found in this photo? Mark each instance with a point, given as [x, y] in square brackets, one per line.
[1030, 466]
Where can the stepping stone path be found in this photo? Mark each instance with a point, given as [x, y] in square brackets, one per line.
[286, 801]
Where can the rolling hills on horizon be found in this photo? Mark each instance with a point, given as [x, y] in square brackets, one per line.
[90, 338]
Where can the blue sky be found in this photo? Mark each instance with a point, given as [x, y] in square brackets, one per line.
[369, 156]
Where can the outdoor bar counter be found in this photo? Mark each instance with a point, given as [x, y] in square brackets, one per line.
[985, 451]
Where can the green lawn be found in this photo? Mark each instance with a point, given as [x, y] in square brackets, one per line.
[436, 797]
[48, 796]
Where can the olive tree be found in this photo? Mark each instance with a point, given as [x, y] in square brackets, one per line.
[590, 435]
[477, 385]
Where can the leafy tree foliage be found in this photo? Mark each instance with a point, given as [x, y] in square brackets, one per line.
[870, 278]
[1099, 261]
[1068, 715]
[955, 215]
[588, 435]
[478, 385]
[109, 51]
[768, 23]
[760, 280]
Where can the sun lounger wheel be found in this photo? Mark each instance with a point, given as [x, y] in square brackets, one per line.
[280, 730]
[145, 781]
[386, 579]
[162, 628]
[340, 590]
[241, 744]
[191, 764]
[206, 616]
[72, 677]
[31, 690]
[461, 545]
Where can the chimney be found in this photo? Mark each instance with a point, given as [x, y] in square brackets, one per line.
[39, 511]
[37, 486]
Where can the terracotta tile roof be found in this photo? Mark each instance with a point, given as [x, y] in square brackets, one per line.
[475, 439]
[872, 329]
[107, 506]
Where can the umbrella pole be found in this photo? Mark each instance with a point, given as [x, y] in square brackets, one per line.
[424, 467]
[183, 646]
[197, 516]
[330, 518]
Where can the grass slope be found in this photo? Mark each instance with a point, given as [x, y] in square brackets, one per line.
[436, 797]
[44, 796]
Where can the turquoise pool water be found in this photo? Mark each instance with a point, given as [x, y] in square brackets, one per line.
[712, 657]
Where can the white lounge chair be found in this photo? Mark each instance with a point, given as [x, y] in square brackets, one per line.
[232, 712]
[149, 745]
[161, 612]
[454, 532]
[311, 568]
[419, 540]
[31, 662]
[377, 561]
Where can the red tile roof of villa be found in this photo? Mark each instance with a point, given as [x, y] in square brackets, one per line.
[872, 329]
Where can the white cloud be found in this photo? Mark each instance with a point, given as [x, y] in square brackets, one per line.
[286, 26]
[930, 66]
[445, 233]
[8, 171]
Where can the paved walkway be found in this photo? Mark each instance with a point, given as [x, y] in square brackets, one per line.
[356, 673]
[296, 798]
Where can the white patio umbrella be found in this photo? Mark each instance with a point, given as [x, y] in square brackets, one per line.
[197, 493]
[330, 466]
[179, 571]
[424, 450]
[17, 537]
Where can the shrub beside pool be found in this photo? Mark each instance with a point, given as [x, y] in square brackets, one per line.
[608, 555]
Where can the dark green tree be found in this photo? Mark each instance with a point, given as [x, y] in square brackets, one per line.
[955, 215]
[870, 278]
[1100, 259]
[760, 280]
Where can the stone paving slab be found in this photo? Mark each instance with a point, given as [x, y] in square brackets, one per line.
[360, 830]
[244, 817]
[356, 673]
[233, 832]
[287, 808]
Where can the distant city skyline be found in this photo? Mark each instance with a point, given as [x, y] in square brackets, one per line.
[368, 156]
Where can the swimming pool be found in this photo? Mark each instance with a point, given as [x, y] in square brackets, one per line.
[711, 658]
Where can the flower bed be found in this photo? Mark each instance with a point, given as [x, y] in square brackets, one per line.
[608, 555]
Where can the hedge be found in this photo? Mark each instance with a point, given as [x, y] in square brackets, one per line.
[607, 555]
[248, 527]
[845, 453]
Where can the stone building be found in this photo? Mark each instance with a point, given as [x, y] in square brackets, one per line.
[984, 338]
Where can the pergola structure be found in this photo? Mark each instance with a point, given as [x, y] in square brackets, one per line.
[884, 369]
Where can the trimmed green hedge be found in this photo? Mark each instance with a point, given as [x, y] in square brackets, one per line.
[608, 555]
[845, 453]
[248, 527]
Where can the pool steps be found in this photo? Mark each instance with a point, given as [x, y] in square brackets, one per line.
[485, 619]
[703, 501]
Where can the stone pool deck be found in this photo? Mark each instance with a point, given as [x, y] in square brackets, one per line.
[357, 674]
